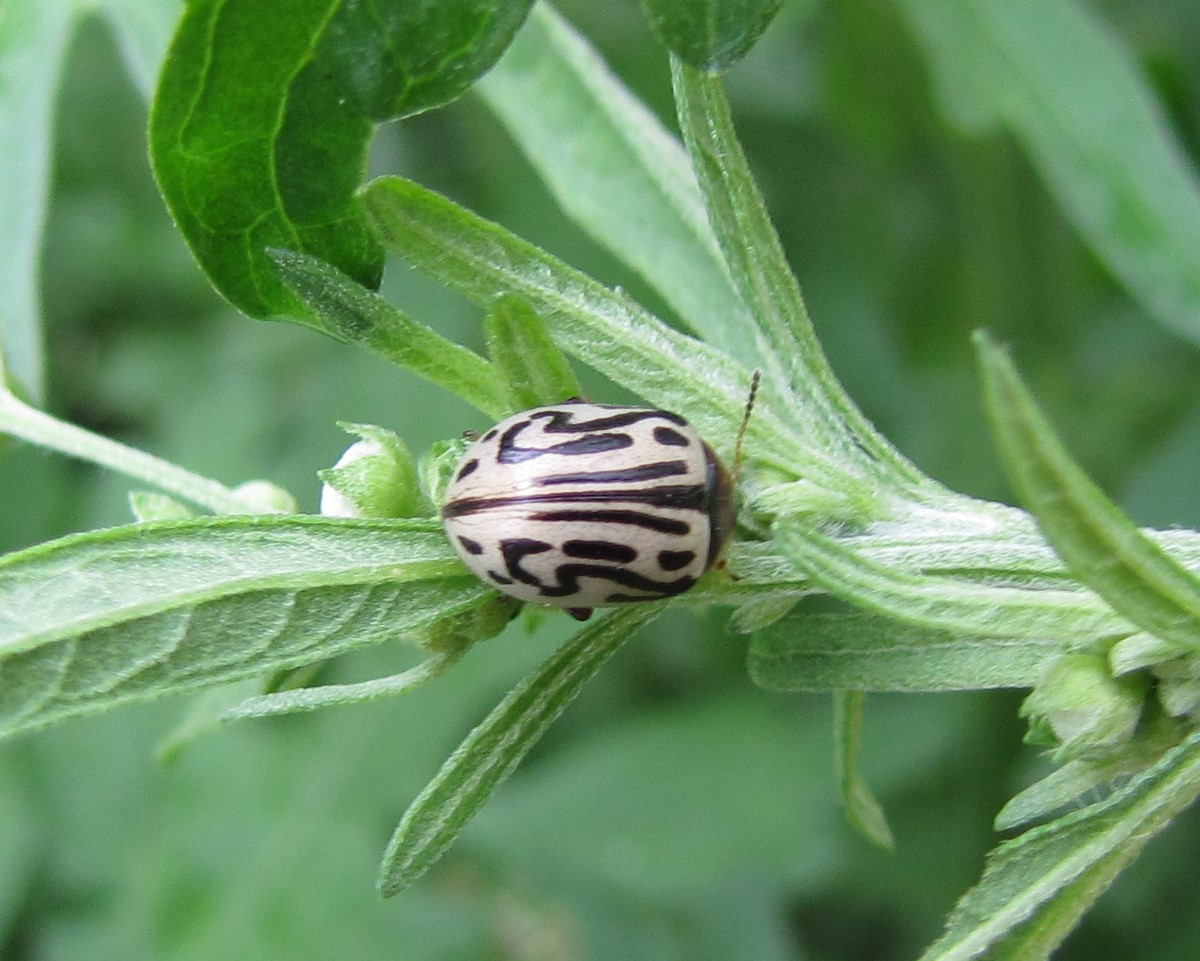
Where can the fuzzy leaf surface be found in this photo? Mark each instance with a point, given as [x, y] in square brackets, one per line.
[493, 750]
[1037, 886]
[130, 613]
[867, 652]
[617, 172]
[1099, 543]
[601, 327]
[348, 311]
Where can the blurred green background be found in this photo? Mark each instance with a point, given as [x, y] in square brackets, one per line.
[675, 811]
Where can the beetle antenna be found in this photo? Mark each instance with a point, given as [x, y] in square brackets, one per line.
[755, 379]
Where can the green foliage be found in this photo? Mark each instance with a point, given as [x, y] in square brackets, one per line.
[264, 113]
[673, 811]
[1059, 82]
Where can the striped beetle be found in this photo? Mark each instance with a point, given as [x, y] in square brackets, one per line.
[580, 505]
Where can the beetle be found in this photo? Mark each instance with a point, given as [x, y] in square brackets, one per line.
[580, 505]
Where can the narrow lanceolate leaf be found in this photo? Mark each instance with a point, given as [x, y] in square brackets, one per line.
[33, 39]
[533, 368]
[710, 35]
[616, 171]
[868, 652]
[1100, 545]
[946, 603]
[794, 363]
[1036, 887]
[603, 328]
[264, 111]
[348, 311]
[1072, 95]
[130, 613]
[492, 751]
[863, 810]
[1062, 787]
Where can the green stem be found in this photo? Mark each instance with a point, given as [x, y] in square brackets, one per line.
[29, 424]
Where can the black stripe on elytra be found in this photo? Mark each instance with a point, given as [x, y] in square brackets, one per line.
[670, 438]
[470, 546]
[510, 453]
[650, 522]
[675, 496]
[600, 551]
[514, 550]
[565, 422]
[467, 469]
[675, 560]
[625, 475]
[569, 574]
[569, 422]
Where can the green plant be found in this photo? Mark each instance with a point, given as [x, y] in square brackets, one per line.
[260, 158]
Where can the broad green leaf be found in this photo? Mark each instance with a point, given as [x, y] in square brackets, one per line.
[263, 115]
[794, 363]
[132, 612]
[534, 369]
[493, 750]
[616, 171]
[1072, 95]
[946, 603]
[33, 39]
[603, 328]
[1100, 545]
[348, 311]
[863, 810]
[867, 652]
[1036, 887]
[710, 35]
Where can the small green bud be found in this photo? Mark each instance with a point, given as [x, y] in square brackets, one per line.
[1080, 706]
[478, 623]
[263, 497]
[374, 477]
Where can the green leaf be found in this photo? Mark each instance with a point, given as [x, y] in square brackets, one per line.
[793, 361]
[493, 750]
[348, 311]
[952, 604]
[1072, 95]
[615, 170]
[603, 328]
[519, 344]
[33, 40]
[263, 115]
[863, 810]
[1100, 545]
[1036, 887]
[133, 612]
[299, 700]
[710, 35]
[867, 652]
[1062, 786]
